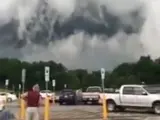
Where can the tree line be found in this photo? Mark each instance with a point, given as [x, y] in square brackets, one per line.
[144, 70]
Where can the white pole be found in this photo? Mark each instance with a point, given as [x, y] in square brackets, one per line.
[23, 79]
[102, 78]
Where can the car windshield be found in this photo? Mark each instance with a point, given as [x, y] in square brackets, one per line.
[93, 89]
[152, 89]
[67, 91]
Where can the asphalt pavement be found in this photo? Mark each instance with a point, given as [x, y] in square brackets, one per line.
[85, 112]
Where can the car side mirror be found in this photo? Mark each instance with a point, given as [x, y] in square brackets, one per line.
[144, 93]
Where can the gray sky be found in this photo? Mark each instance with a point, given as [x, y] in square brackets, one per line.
[80, 50]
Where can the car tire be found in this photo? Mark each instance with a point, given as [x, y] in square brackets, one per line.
[9, 99]
[156, 108]
[111, 106]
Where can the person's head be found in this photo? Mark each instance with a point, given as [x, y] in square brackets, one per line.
[36, 87]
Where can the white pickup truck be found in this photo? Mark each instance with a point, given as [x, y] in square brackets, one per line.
[135, 96]
[92, 95]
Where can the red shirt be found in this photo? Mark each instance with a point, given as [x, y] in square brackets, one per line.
[33, 99]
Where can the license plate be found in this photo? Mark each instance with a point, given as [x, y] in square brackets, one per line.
[90, 98]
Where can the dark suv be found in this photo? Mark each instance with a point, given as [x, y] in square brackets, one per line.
[68, 96]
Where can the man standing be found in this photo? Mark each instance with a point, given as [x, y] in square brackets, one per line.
[33, 101]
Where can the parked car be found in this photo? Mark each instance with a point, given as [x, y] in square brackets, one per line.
[9, 96]
[2, 103]
[135, 96]
[68, 96]
[92, 95]
[49, 93]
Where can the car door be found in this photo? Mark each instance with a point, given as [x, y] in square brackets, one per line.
[127, 97]
[142, 99]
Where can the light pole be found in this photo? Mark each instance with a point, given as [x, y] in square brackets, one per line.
[102, 78]
[6, 88]
[19, 86]
[6, 84]
[23, 79]
[104, 97]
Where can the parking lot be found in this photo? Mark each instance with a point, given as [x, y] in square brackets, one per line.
[86, 112]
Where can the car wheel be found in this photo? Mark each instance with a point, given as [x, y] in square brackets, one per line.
[156, 108]
[9, 100]
[111, 106]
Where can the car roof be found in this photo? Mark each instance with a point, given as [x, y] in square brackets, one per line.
[94, 87]
[45, 91]
[67, 90]
[132, 85]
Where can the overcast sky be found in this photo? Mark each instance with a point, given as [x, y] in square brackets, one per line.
[81, 50]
